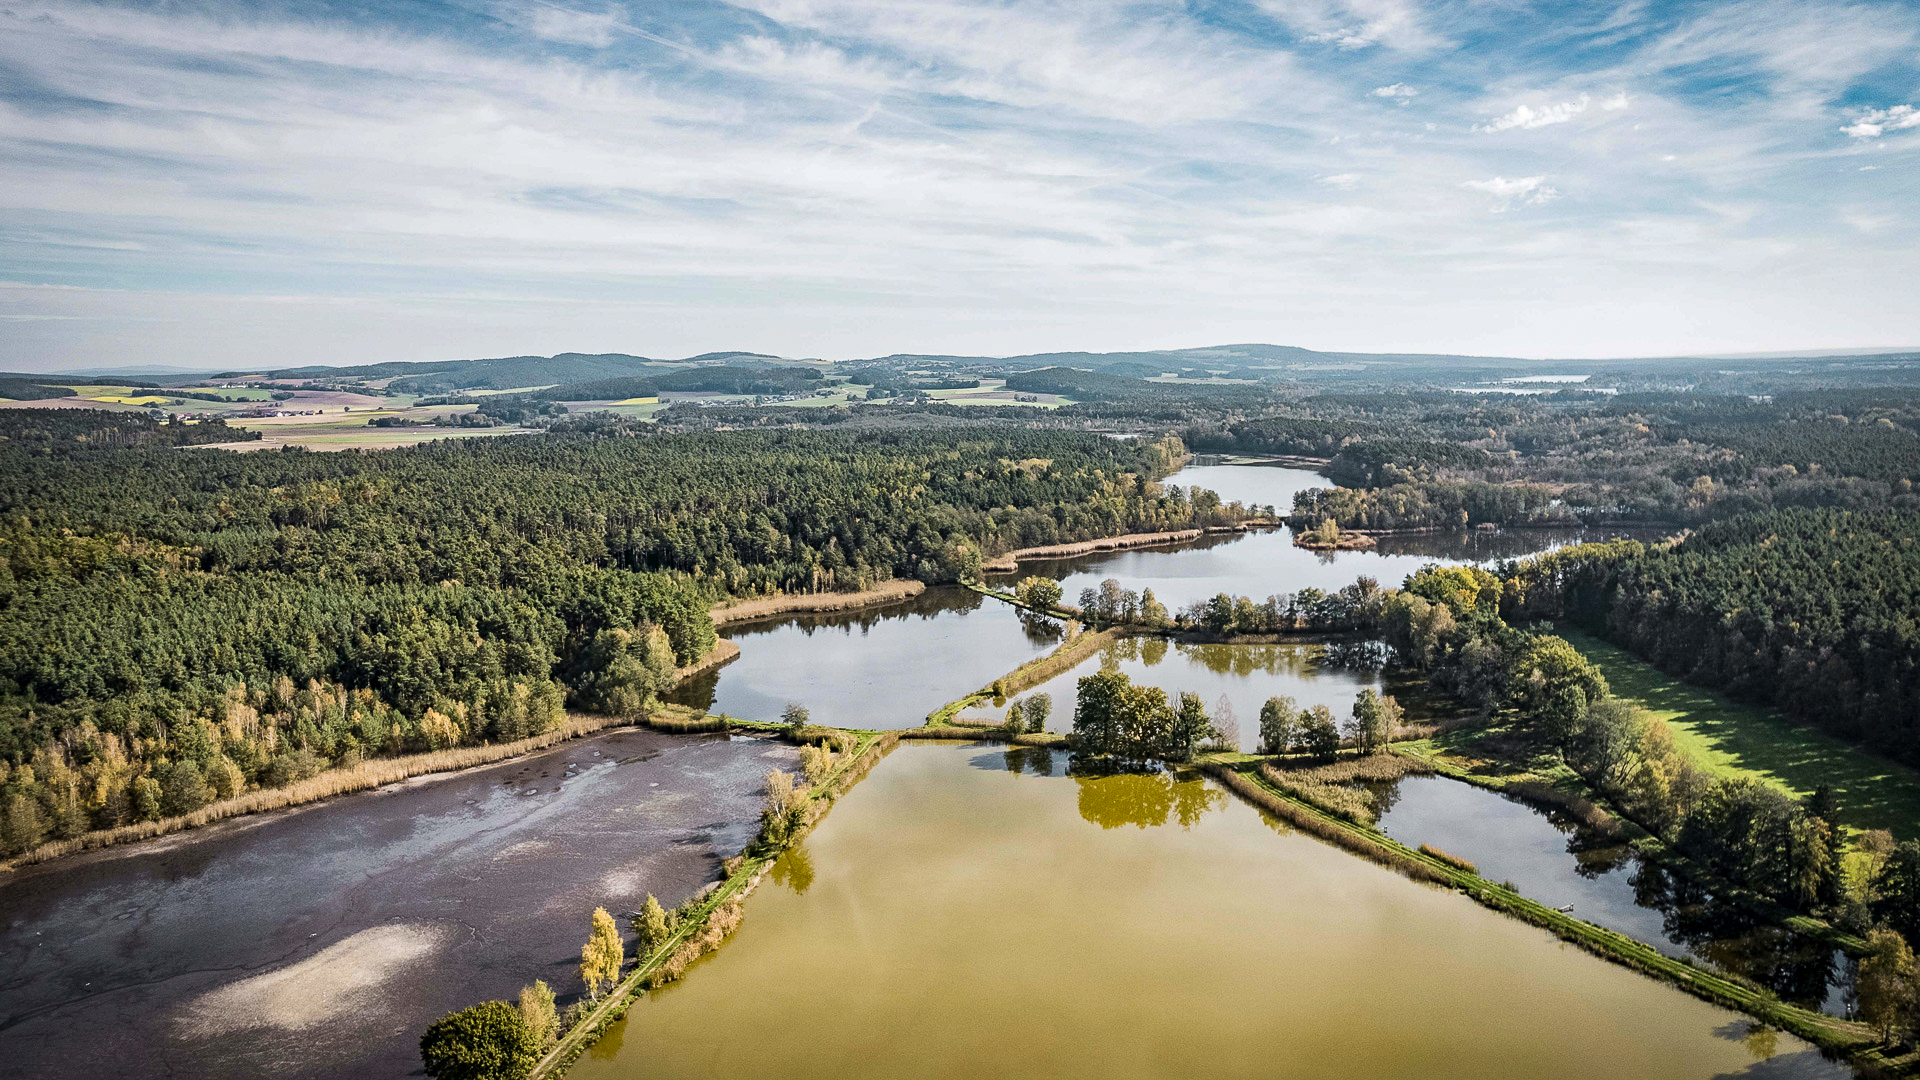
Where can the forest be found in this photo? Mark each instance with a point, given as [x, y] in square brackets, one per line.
[1814, 612]
[179, 625]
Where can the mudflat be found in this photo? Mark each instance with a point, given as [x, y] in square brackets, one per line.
[321, 941]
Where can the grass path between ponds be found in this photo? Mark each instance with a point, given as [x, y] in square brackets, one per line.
[1731, 739]
[871, 747]
[1242, 777]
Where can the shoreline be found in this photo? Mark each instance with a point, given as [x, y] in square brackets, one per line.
[889, 592]
[369, 775]
[1010, 561]
[1842, 1036]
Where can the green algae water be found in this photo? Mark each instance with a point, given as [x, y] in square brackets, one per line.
[972, 911]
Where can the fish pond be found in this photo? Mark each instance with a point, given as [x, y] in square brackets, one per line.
[976, 911]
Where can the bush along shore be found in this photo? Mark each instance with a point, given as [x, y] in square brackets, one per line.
[533, 1040]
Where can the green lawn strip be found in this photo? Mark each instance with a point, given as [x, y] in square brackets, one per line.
[1730, 739]
[1815, 1027]
[1498, 775]
[570, 1046]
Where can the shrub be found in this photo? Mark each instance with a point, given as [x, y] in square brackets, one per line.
[602, 955]
[537, 1010]
[489, 1041]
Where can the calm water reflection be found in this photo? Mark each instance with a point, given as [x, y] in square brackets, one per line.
[1608, 884]
[1245, 675]
[888, 667]
[972, 912]
[1262, 563]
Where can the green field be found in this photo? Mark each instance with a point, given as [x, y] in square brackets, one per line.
[1731, 739]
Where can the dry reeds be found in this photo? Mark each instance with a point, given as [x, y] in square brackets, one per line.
[1580, 809]
[1333, 787]
[1011, 560]
[888, 592]
[1333, 832]
[721, 921]
[1454, 861]
[369, 773]
[1075, 649]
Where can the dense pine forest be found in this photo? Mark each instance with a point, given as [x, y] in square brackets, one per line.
[179, 625]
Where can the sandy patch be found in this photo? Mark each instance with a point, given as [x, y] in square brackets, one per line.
[340, 981]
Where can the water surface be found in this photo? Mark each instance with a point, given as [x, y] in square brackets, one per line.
[1244, 675]
[880, 668]
[1553, 861]
[1264, 562]
[969, 911]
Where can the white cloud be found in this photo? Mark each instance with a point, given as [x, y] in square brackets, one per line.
[1874, 123]
[1616, 102]
[1526, 117]
[1518, 191]
[1400, 92]
[571, 27]
[1343, 181]
[1351, 25]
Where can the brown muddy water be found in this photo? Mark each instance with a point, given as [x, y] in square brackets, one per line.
[973, 911]
[322, 942]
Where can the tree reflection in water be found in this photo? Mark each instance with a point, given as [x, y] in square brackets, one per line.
[1144, 799]
[794, 869]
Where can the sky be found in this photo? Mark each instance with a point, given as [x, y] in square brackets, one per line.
[242, 184]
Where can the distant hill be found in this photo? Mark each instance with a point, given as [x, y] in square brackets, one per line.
[1282, 364]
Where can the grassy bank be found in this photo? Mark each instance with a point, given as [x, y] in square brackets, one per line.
[1731, 739]
[705, 925]
[1244, 779]
[1032, 673]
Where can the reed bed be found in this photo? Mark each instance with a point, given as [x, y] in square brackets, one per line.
[687, 725]
[888, 592]
[1452, 860]
[1012, 559]
[723, 651]
[1070, 653]
[1333, 787]
[370, 773]
[984, 733]
[1317, 824]
[1575, 806]
[721, 922]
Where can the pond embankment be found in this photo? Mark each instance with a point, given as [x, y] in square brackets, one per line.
[767, 607]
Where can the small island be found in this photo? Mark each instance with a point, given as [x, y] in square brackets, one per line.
[1327, 536]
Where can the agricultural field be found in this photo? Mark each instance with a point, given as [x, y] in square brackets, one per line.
[994, 392]
[1731, 739]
